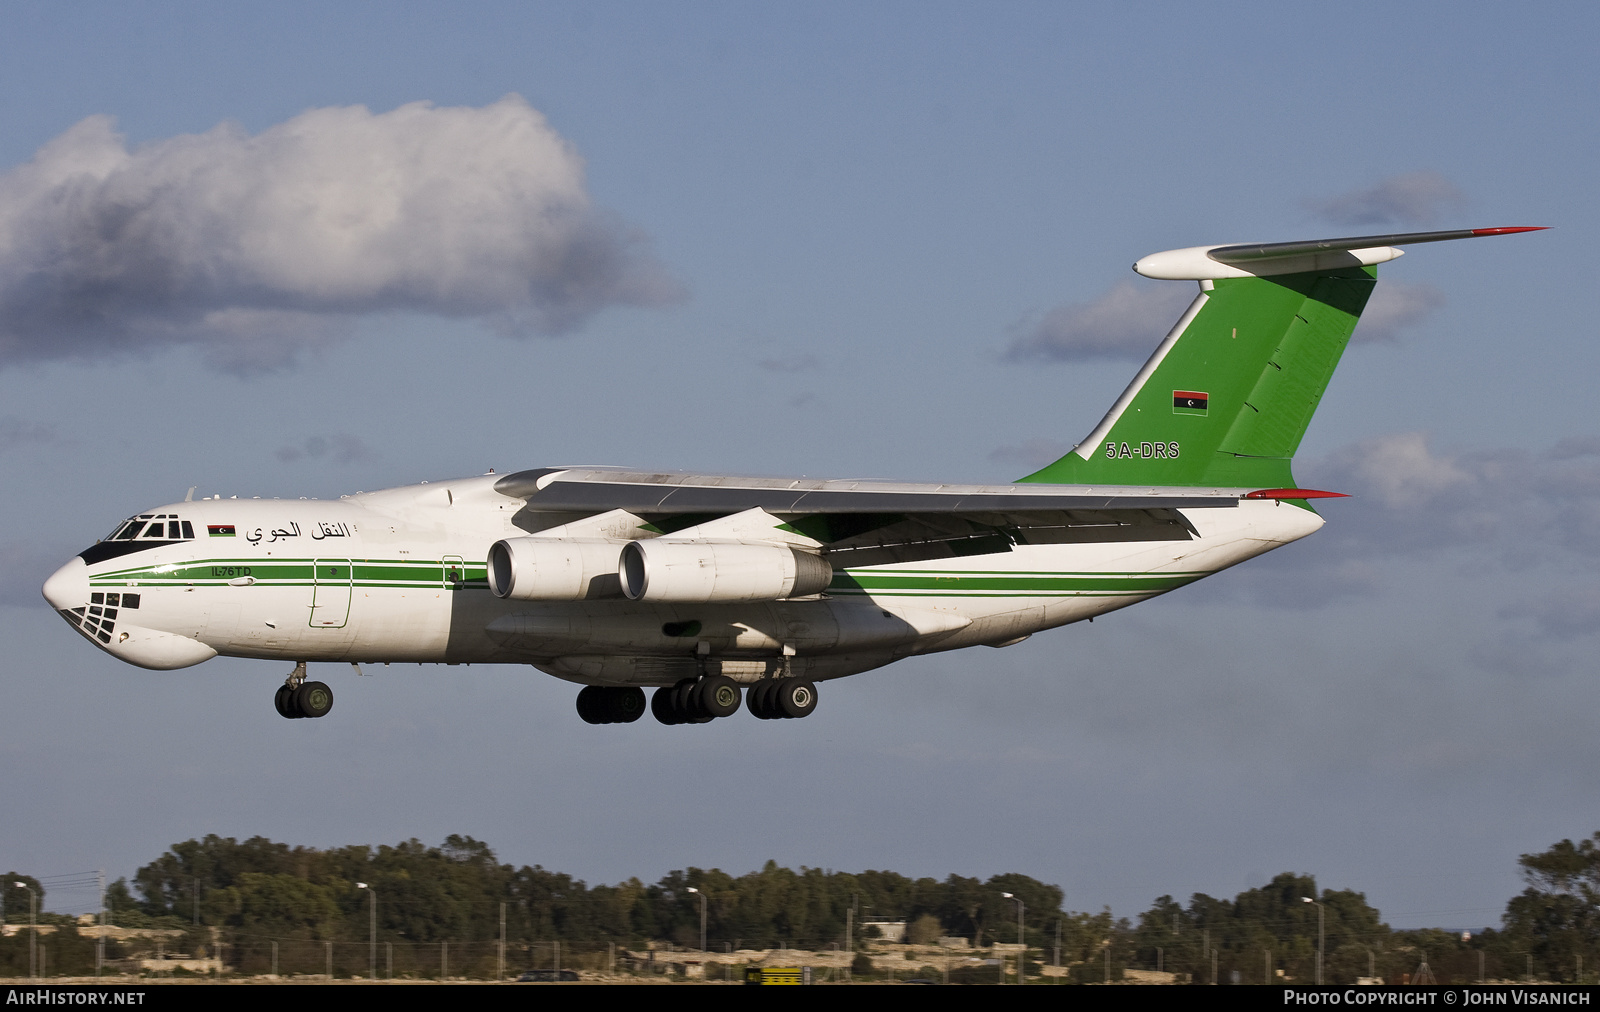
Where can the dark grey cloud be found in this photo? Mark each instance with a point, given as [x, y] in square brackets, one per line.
[256, 247]
[1410, 199]
[802, 362]
[341, 448]
[15, 432]
[1573, 447]
[1563, 614]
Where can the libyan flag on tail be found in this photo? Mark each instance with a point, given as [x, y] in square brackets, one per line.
[1189, 402]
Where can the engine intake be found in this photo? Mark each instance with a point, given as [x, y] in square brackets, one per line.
[553, 569]
[693, 571]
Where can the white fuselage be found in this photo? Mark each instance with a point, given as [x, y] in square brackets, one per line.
[399, 575]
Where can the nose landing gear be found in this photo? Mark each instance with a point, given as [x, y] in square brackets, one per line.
[297, 697]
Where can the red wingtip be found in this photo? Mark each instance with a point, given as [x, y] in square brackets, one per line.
[1507, 230]
[1294, 493]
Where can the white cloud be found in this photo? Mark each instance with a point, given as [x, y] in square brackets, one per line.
[1504, 511]
[257, 246]
[1393, 307]
[1399, 470]
[1539, 507]
[1411, 199]
[1126, 322]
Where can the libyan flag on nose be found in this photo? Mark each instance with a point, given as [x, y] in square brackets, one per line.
[220, 530]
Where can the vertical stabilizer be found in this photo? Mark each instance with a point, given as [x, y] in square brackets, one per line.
[1228, 394]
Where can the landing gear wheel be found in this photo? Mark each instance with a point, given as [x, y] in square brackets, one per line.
[284, 702]
[756, 699]
[313, 699]
[686, 702]
[796, 697]
[599, 704]
[625, 705]
[591, 705]
[661, 705]
[719, 696]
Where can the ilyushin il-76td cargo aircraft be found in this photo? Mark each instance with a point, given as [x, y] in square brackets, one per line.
[707, 586]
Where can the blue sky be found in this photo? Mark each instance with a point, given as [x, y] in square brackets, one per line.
[849, 214]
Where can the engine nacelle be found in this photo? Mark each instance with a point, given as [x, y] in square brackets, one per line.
[554, 569]
[691, 571]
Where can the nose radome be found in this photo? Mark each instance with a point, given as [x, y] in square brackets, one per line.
[68, 587]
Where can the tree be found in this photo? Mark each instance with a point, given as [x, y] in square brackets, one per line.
[1557, 917]
[15, 901]
[925, 930]
[1273, 918]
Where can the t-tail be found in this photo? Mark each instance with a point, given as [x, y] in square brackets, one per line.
[1227, 396]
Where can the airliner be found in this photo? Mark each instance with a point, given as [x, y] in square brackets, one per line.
[721, 591]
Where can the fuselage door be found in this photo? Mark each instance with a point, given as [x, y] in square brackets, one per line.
[330, 593]
[455, 572]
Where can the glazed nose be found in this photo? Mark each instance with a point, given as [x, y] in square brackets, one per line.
[68, 587]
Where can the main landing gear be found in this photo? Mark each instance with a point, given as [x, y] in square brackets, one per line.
[699, 700]
[783, 698]
[297, 697]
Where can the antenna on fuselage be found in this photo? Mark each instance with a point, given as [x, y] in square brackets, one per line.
[189, 495]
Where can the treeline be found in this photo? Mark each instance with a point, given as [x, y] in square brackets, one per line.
[258, 891]
[1271, 934]
[1550, 932]
[300, 909]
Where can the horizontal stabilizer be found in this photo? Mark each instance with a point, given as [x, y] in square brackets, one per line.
[1243, 260]
[1295, 493]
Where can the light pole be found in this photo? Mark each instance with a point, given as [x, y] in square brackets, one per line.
[1021, 946]
[702, 918]
[372, 931]
[1320, 935]
[33, 931]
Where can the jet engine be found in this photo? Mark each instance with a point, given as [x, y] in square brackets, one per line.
[691, 571]
[553, 569]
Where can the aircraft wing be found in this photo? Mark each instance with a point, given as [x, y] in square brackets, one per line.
[861, 522]
[596, 490]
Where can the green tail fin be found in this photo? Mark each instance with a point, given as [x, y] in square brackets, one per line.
[1227, 396]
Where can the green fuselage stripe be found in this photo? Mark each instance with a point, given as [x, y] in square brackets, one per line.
[406, 573]
[409, 574]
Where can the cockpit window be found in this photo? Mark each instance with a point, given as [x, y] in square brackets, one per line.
[165, 527]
